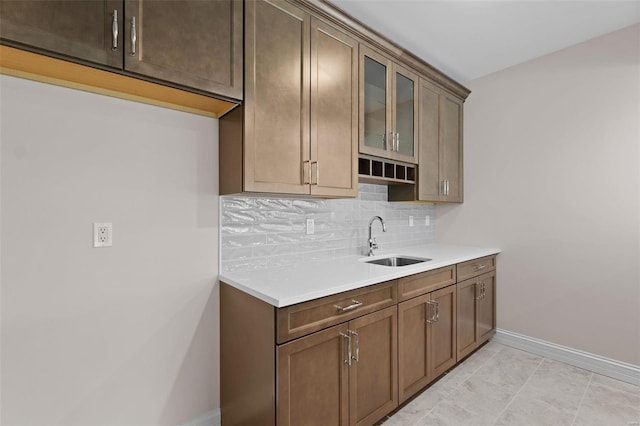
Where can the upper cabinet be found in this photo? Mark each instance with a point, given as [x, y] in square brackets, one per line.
[192, 43]
[189, 43]
[297, 131]
[440, 149]
[440, 171]
[87, 30]
[388, 108]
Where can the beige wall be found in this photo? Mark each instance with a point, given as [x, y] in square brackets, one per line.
[120, 335]
[552, 177]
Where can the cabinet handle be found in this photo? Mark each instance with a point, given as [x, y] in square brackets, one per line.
[317, 174]
[397, 142]
[355, 305]
[306, 177]
[479, 285]
[114, 30]
[477, 267]
[446, 187]
[435, 315]
[346, 336]
[134, 36]
[484, 291]
[356, 351]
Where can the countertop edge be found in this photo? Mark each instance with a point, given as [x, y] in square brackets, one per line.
[392, 274]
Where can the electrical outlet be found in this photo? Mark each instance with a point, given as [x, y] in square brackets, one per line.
[410, 220]
[102, 235]
[311, 227]
[427, 220]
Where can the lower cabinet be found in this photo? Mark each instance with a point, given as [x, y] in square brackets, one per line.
[346, 374]
[426, 339]
[350, 358]
[476, 312]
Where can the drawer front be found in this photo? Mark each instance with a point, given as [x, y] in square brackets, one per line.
[476, 267]
[304, 318]
[425, 282]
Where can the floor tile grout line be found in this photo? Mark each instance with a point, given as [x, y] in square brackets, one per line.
[417, 422]
[519, 390]
[586, 389]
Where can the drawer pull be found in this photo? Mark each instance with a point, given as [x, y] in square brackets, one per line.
[354, 305]
[477, 267]
[114, 30]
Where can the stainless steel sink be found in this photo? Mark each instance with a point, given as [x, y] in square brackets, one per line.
[396, 261]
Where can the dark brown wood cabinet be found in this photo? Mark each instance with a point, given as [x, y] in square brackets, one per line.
[440, 155]
[195, 44]
[350, 358]
[426, 339]
[388, 108]
[297, 132]
[476, 305]
[87, 30]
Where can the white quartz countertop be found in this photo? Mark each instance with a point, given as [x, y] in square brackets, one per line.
[293, 284]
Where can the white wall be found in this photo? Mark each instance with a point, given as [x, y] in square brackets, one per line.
[120, 335]
[552, 166]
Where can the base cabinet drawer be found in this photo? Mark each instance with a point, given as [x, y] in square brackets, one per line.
[475, 267]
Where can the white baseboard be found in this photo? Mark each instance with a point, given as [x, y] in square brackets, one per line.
[607, 367]
[212, 418]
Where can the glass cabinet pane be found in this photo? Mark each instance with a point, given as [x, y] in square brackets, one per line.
[375, 103]
[404, 115]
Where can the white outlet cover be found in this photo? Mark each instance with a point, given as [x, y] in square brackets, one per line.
[311, 227]
[427, 220]
[102, 234]
[410, 220]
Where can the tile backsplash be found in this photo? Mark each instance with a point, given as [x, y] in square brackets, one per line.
[257, 233]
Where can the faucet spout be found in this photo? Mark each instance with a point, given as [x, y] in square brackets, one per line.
[373, 245]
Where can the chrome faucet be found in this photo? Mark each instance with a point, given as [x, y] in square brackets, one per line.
[373, 245]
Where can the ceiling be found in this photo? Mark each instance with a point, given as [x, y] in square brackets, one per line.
[467, 39]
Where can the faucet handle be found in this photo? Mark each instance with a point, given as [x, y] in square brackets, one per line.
[374, 243]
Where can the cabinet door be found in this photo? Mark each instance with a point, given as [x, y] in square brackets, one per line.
[82, 29]
[429, 186]
[442, 333]
[405, 115]
[276, 151]
[313, 379]
[375, 103]
[413, 348]
[487, 307]
[195, 43]
[334, 111]
[451, 147]
[466, 327]
[373, 378]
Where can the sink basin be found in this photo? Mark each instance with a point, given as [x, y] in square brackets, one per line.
[396, 261]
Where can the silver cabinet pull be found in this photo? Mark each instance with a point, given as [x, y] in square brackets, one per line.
[114, 30]
[393, 141]
[356, 351]
[348, 359]
[477, 267]
[397, 142]
[433, 318]
[484, 291]
[446, 187]
[354, 305]
[134, 36]
[479, 286]
[306, 178]
[317, 173]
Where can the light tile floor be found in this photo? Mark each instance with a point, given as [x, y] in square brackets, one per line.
[500, 385]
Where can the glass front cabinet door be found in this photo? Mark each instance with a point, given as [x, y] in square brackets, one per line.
[388, 108]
